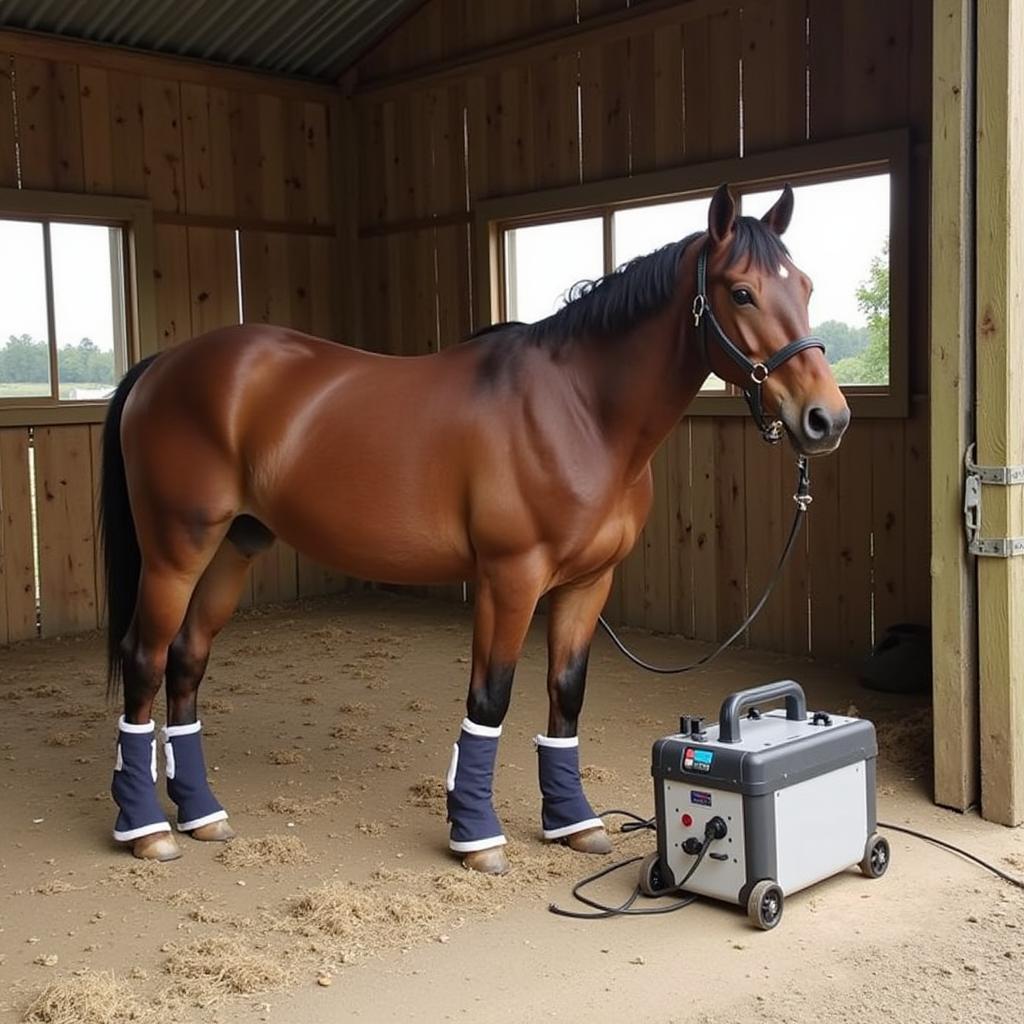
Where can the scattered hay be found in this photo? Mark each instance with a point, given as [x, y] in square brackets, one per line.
[263, 851]
[217, 705]
[355, 708]
[286, 757]
[92, 997]
[189, 897]
[38, 691]
[300, 807]
[211, 968]
[419, 705]
[65, 738]
[1015, 860]
[371, 828]
[139, 874]
[394, 908]
[57, 886]
[79, 712]
[347, 731]
[906, 742]
[595, 773]
[429, 792]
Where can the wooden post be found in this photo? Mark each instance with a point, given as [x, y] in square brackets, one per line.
[954, 590]
[1000, 399]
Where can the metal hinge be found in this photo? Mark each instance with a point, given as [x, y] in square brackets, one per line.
[999, 476]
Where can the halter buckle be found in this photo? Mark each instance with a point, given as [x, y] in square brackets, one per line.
[700, 303]
[774, 432]
[759, 373]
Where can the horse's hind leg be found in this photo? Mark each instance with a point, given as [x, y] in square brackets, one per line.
[566, 813]
[163, 596]
[212, 604]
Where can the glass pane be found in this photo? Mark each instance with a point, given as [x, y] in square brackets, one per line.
[643, 229]
[89, 308]
[24, 355]
[544, 261]
[840, 236]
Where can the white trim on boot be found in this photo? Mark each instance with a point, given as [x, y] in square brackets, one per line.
[556, 741]
[568, 830]
[142, 830]
[472, 845]
[490, 731]
[187, 826]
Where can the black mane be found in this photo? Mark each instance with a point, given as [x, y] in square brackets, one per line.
[641, 288]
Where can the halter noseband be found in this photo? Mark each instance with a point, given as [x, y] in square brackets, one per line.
[703, 315]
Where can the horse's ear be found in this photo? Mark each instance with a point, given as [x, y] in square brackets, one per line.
[781, 213]
[721, 215]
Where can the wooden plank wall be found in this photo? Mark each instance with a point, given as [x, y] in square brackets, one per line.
[231, 165]
[630, 100]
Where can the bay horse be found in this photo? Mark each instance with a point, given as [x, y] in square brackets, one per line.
[519, 460]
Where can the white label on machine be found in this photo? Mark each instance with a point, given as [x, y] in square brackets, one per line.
[820, 827]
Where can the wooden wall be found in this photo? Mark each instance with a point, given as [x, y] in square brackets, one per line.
[240, 174]
[470, 100]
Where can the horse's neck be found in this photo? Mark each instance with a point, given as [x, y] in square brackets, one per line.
[657, 371]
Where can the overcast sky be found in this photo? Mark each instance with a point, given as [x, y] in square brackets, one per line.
[81, 272]
[837, 229]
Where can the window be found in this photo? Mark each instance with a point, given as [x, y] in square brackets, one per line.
[62, 319]
[840, 237]
[848, 233]
[70, 304]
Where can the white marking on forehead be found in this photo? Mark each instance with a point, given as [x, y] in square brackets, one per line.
[783, 272]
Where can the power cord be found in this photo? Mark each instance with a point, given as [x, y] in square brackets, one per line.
[999, 872]
[636, 823]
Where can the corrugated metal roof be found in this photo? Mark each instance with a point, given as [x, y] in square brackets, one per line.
[309, 38]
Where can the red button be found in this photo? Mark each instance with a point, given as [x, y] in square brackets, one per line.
[687, 820]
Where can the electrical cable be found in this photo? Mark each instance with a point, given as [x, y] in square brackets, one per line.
[603, 910]
[636, 823]
[1004, 875]
[802, 497]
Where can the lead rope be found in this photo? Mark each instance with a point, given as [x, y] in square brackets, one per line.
[803, 499]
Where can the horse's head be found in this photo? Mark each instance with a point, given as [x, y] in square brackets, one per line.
[758, 301]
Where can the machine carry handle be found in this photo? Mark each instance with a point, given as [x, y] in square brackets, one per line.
[732, 706]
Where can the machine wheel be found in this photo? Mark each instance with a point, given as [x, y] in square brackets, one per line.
[651, 881]
[876, 856]
[764, 904]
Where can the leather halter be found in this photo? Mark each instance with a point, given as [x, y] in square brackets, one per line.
[703, 316]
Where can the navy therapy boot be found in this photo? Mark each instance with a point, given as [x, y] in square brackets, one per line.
[134, 785]
[187, 785]
[475, 826]
[565, 810]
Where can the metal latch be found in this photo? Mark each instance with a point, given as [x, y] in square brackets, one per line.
[999, 476]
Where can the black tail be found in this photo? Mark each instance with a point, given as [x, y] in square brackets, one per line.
[122, 563]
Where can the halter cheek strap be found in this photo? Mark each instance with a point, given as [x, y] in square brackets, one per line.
[704, 317]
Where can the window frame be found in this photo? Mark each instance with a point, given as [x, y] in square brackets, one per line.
[808, 164]
[135, 219]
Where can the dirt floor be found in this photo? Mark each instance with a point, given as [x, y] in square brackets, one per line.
[328, 728]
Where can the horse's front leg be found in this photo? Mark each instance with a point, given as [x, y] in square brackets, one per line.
[504, 606]
[566, 813]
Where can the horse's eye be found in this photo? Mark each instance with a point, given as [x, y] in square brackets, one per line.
[742, 297]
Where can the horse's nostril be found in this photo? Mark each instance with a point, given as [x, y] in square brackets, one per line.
[817, 423]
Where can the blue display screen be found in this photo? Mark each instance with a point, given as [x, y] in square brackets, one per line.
[703, 756]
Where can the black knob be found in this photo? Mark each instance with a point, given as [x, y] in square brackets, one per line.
[684, 725]
[697, 726]
[692, 846]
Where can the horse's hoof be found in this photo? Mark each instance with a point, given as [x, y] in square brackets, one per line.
[591, 840]
[492, 861]
[156, 846]
[214, 832]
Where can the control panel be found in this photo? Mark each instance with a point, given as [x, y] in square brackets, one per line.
[697, 759]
